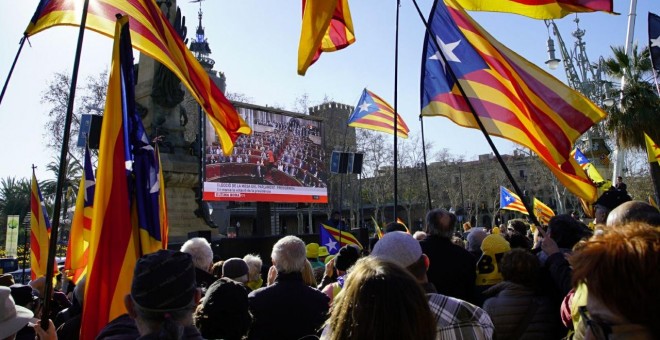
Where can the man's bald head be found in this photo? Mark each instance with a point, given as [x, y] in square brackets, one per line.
[634, 211]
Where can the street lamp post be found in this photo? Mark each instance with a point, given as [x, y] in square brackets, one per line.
[588, 79]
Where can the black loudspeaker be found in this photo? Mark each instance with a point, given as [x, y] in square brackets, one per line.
[200, 233]
[95, 131]
[343, 163]
[357, 163]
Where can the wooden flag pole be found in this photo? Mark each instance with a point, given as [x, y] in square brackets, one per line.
[62, 172]
[476, 117]
[11, 70]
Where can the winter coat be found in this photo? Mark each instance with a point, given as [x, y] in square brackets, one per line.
[288, 309]
[451, 269]
[518, 313]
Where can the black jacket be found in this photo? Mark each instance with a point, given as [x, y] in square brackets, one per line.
[452, 269]
[288, 309]
[518, 313]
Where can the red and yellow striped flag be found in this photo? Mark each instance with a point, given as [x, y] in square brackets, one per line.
[542, 212]
[114, 246]
[513, 98]
[39, 232]
[539, 9]
[511, 201]
[153, 35]
[326, 27]
[400, 221]
[379, 231]
[346, 238]
[77, 252]
[162, 203]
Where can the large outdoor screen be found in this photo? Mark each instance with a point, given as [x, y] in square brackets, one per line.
[282, 161]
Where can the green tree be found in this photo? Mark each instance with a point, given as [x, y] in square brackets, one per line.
[640, 104]
[14, 200]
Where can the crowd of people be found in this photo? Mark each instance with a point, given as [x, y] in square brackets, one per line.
[287, 148]
[563, 280]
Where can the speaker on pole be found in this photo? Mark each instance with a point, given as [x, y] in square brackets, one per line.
[357, 163]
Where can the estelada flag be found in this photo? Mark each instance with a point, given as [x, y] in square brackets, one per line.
[334, 239]
[77, 251]
[542, 212]
[539, 9]
[153, 35]
[374, 113]
[126, 216]
[511, 201]
[326, 27]
[513, 98]
[39, 232]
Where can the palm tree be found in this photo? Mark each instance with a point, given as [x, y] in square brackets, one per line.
[14, 199]
[640, 103]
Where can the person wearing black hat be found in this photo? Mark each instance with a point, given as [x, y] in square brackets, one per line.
[345, 259]
[164, 295]
[224, 312]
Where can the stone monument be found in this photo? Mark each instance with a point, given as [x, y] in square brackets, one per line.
[171, 114]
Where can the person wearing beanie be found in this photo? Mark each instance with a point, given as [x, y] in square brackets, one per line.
[287, 309]
[474, 238]
[224, 312]
[164, 295]
[455, 318]
[345, 259]
[236, 269]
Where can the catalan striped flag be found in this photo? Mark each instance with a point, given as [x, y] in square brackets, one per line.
[542, 212]
[39, 232]
[513, 98]
[330, 237]
[326, 27]
[373, 113]
[652, 149]
[511, 201]
[125, 224]
[539, 9]
[154, 36]
[588, 167]
[162, 202]
[77, 252]
[379, 231]
[400, 221]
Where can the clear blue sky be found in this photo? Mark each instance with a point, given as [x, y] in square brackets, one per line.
[255, 43]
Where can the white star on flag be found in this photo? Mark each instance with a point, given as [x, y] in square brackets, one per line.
[448, 51]
[88, 184]
[655, 42]
[331, 244]
[364, 107]
[508, 198]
